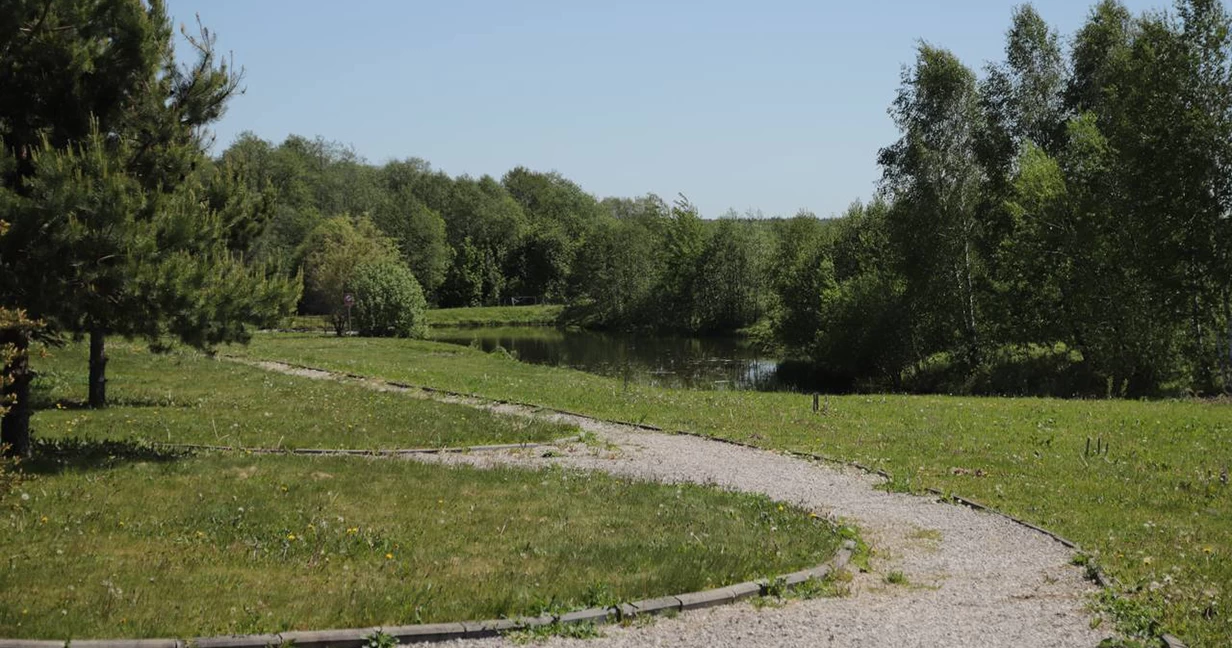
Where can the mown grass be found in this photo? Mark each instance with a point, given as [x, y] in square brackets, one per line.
[191, 398]
[106, 536]
[1153, 509]
[234, 544]
[541, 315]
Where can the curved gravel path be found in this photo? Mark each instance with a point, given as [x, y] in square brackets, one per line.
[973, 578]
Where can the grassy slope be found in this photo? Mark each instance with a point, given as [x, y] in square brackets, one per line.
[1154, 509]
[119, 540]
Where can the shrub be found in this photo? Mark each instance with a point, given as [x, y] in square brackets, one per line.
[1009, 370]
[388, 301]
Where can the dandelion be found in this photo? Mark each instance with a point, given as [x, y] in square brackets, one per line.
[200, 534]
[1208, 550]
[25, 497]
[284, 488]
[389, 556]
[43, 520]
[1147, 560]
[352, 530]
[291, 537]
[780, 508]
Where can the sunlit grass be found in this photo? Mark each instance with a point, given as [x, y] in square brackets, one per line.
[191, 398]
[1153, 509]
[234, 544]
[107, 536]
[543, 315]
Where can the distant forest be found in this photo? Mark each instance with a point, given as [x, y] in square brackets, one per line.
[1055, 223]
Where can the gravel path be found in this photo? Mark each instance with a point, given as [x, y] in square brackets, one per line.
[973, 578]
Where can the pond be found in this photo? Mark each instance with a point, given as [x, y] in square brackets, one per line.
[665, 361]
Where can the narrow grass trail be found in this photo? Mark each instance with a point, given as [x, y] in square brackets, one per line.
[940, 574]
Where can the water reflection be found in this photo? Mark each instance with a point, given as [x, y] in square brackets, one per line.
[666, 361]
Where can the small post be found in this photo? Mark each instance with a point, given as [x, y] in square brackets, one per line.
[816, 402]
[1088, 450]
[349, 300]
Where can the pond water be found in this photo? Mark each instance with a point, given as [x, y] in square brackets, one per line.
[666, 361]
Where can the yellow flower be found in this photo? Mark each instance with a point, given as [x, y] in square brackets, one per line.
[1208, 549]
[389, 556]
[780, 507]
[200, 534]
[43, 520]
[352, 530]
[284, 488]
[291, 536]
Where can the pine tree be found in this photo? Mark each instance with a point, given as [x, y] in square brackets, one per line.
[118, 227]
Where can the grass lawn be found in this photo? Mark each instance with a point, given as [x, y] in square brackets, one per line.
[108, 537]
[147, 546]
[543, 315]
[1153, 509]
[191, 398]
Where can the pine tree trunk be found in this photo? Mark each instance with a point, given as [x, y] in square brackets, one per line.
[15, 427]
[1227, 360]
[98, 369]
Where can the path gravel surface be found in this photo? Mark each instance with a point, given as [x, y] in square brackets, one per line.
[973, 578]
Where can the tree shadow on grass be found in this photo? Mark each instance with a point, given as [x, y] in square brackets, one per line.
[52, 456]
[41, 404]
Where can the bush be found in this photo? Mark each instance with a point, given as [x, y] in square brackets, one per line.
[388, 301]
[1010, 370]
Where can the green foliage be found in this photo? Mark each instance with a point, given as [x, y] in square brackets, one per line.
[388, 300]
[1079, 206]
[330, 256]
[896, 578]
[120, 223]
[556, 629]
[379, 639]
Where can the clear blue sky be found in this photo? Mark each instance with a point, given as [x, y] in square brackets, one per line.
[770, 105]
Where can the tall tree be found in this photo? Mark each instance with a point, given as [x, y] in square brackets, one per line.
[934, 180]
[112, 227]
[418, 230]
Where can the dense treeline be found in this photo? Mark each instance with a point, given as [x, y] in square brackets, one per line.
[1058, 223]
[619, 263]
